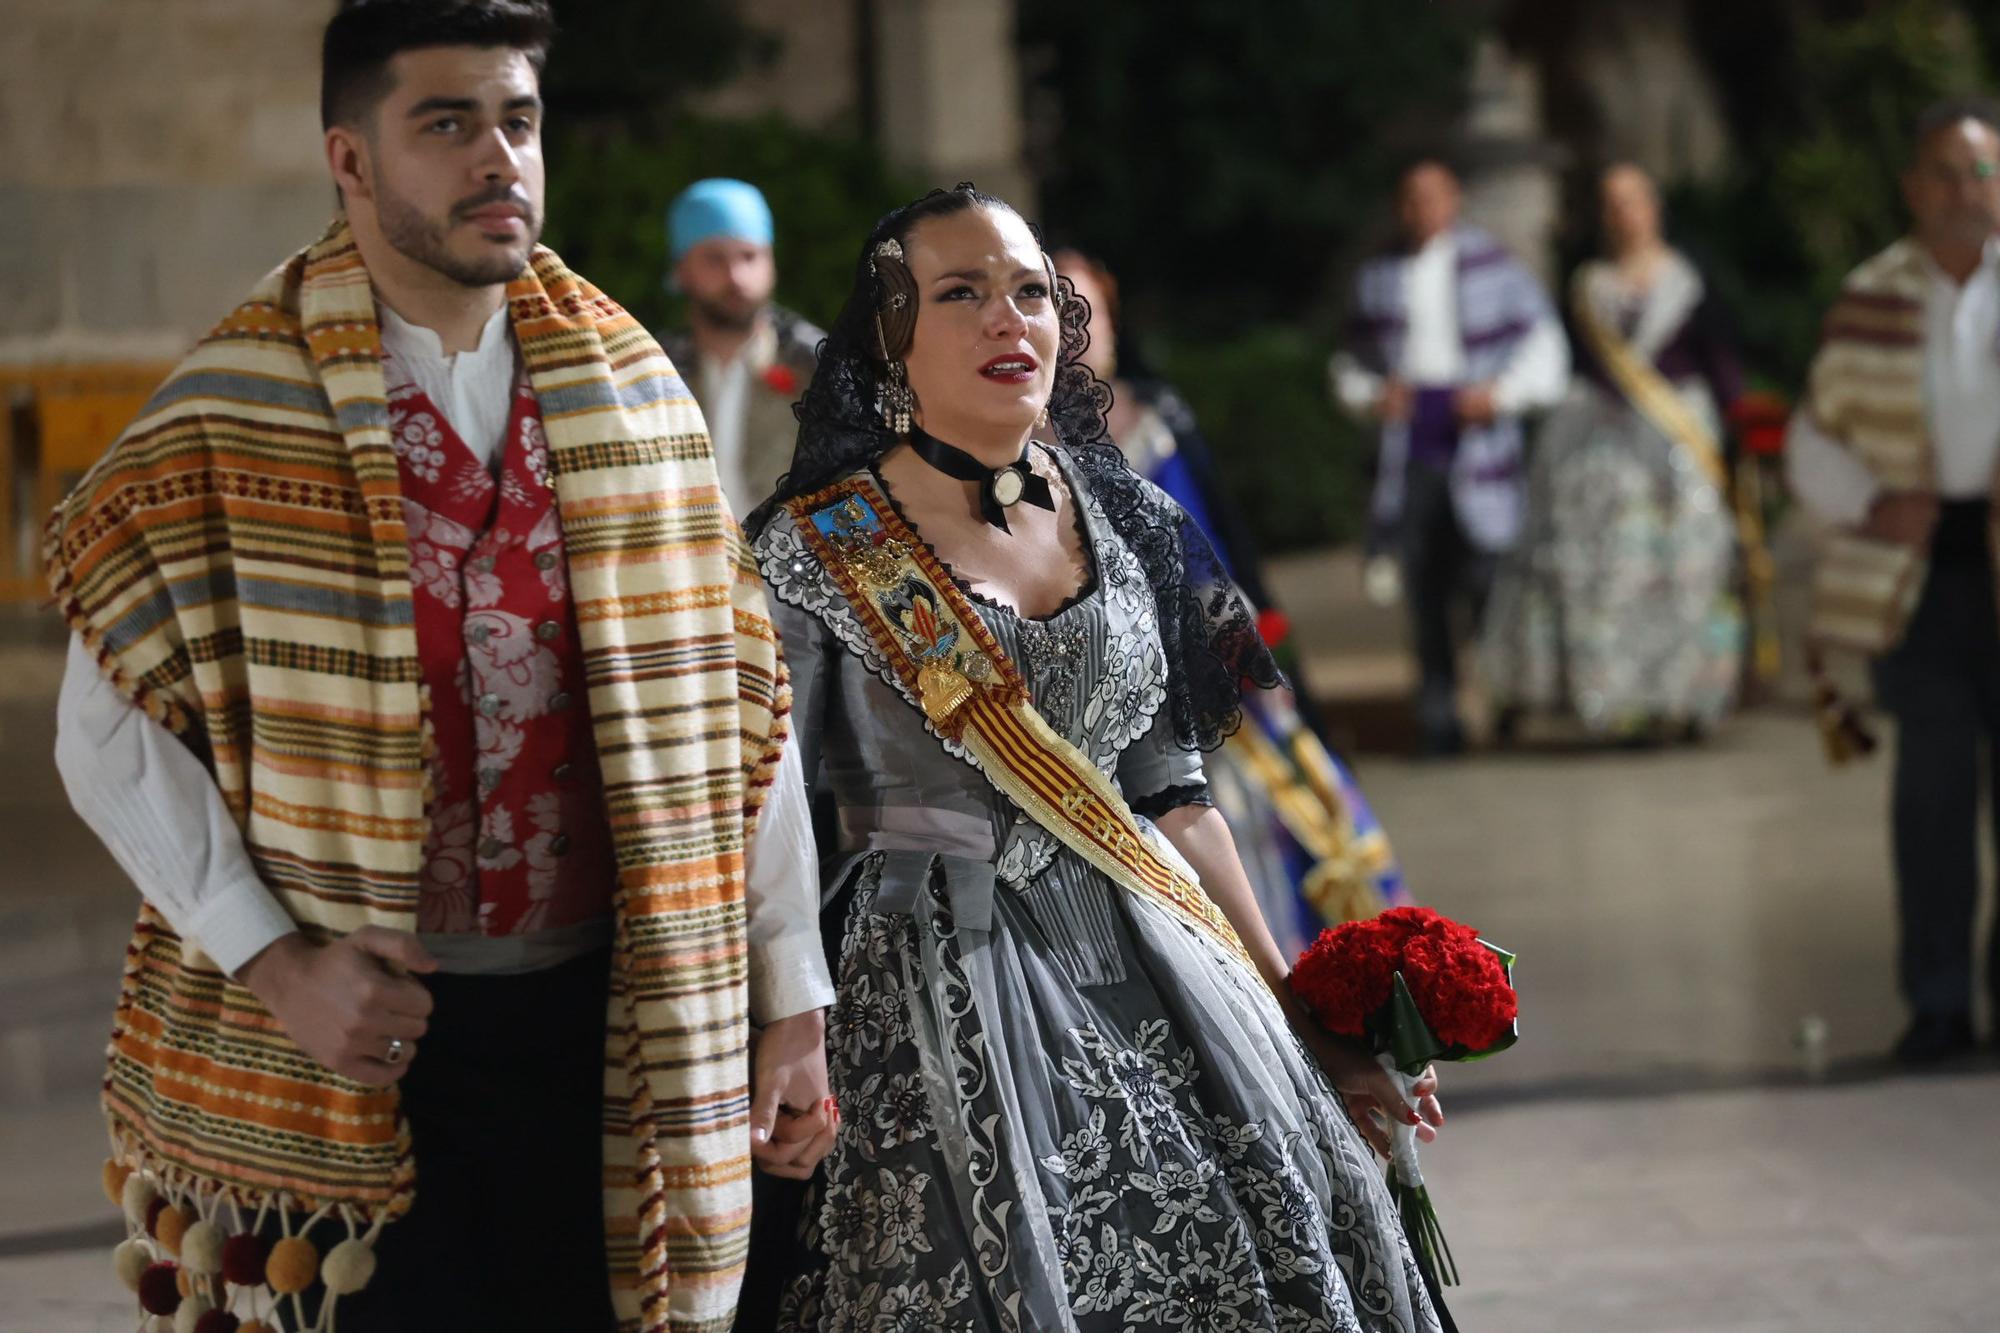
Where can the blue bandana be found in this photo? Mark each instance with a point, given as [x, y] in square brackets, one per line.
[717, 207]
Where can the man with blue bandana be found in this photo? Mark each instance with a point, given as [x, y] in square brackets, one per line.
[746, 359]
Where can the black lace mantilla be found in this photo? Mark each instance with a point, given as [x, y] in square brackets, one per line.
[1208, 632]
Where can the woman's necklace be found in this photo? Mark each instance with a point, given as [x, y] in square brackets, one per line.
[999, 488]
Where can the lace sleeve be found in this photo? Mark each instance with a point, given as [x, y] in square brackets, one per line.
[1207, 631]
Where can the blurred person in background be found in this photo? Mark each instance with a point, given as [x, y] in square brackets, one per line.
[746, 358]
[1617, 607]
[1451, 342]
[1894, 445]
[1155, 429]
[369, 606]
[1010, 653]
[1312, 847]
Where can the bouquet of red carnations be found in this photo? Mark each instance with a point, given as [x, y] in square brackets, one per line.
[1416, 987]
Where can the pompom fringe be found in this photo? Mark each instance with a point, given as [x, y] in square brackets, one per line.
[193, 1261]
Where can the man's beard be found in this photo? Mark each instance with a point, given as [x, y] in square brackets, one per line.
[734, 317]
[418, 238]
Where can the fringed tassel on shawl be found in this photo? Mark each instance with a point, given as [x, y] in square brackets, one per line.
[195, 1270]
[1842, 730]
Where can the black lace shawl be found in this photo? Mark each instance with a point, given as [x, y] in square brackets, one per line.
[1208, 632]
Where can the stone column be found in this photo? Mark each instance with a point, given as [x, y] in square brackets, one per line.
[813, 81]
[1656, 104]
[948, 94]
[1512, 187]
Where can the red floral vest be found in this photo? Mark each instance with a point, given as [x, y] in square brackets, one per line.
[518, 839]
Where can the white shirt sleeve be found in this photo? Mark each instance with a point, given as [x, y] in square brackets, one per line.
[1537, 375]
[159, 813]
[1826, 478]
[1355, 387]
[788, 972]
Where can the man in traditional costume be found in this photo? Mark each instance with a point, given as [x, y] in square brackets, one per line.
[1894, 445]
[748, 358]
[426, 688]
[1451, 343]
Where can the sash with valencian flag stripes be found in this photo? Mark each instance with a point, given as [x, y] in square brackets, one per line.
[972, 694]
[239, 566]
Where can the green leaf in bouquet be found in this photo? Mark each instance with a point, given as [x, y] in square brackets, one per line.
[1403, 1032]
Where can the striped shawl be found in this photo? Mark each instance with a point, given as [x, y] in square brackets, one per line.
[239, 566]
[1866, 388]
[1499, 303]
[1866, 391]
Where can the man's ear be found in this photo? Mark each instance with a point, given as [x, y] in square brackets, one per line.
[347, 162]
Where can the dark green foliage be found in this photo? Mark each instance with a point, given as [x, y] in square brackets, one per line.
[609, 191]
[1230, 162]
[1292, 464]
[1224, 158]
[636, 57]
[620, 146]
[1822, 120]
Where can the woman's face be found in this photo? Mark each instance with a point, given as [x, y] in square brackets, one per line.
[1631, 209]
[983, 357]
[1100, 355]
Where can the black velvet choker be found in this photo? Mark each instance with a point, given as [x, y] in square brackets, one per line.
[999, 488]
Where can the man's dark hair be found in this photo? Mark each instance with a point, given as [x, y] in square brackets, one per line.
[366, 34]
[1942, 115]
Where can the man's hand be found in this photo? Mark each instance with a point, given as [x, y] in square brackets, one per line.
[793, 1118]
[1476, 405]
[1905, 517]
[344, 1002]
[1398, 400]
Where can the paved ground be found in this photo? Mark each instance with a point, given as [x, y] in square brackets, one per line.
[1660, 1153]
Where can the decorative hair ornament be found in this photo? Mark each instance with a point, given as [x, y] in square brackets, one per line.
[893, 398]
[889, 248]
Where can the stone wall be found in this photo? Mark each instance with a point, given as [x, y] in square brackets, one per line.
[156, 157]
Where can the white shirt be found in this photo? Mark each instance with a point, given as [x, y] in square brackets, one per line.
[1536, 376]
[725, 399]
[159, 812]
[1961, 404]
[473, 389]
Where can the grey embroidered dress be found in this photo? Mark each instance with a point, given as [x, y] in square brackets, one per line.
[1618, 604]
[1062, 1108]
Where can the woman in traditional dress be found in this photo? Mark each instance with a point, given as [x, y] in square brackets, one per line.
[1311, 845]
[1617, 607]
[1074, 1092]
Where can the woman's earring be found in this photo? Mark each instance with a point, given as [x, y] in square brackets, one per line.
[894, 400]
[1043, 419]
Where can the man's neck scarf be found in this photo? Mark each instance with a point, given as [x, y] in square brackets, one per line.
[238, 565]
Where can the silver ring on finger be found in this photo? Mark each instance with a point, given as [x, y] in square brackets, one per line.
[397, 1050]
